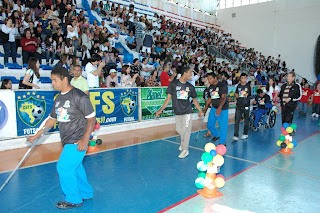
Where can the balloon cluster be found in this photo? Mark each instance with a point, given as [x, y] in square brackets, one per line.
[94, 140]
[285, 139]
[211, 160]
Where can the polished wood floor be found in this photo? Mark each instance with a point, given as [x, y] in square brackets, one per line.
[51, 152]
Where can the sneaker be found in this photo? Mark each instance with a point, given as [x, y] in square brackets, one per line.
[180, 148]
[254, 128]
[235, 138]
[183, 154]
[215, 139]
[313, 115]
[67, 205]
[317, 116]
[243, 137]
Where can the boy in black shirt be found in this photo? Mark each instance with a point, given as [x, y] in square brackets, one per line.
[74, 112]
[243, 93]
[264, 103]
[219, 110]
[181, 92]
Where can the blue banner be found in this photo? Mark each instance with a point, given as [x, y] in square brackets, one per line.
[32, 108]
[114, 106]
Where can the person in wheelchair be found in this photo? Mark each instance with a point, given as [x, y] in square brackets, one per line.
[264, 103]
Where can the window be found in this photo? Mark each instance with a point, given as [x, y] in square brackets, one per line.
[236, 3]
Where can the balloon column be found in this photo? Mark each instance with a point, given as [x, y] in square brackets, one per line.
[286, 140]
[211, 161]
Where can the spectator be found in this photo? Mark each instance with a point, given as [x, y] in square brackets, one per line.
[140, 27]
[112, 79]
[131, 41]
[63, 62]
[164, 77]
[78, 81]
[147, 43]
[126, 79]
[6, 84]
[145, 69]
[19, 8]
[29, 46]
[95, 7]
[115, 23]
[68, 48]
[40, 10]
[73, 34]
[263, 101]
[48, 47]
[93, 70]
[32, 76]
[9, 46]
[75, 61]
[316, 101]
[6, 8]
[272, 90]
[152, 80]
[131, 19]
[263, 81]
[306, 93]
[136, 69]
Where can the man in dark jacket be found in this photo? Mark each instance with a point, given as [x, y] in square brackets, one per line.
[289, 96]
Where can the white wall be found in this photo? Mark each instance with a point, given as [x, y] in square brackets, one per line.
[286, 27]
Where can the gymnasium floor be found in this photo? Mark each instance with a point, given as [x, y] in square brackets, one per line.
[139, 172]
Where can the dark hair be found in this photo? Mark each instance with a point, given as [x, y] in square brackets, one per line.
[124, 69]
[96, 57]
[259, 91]
[61, 72]
[293, 74]
[77, 66]
[135, 60]
[273, 85]
[184, 70]
[212, 74]
[4, 83]
[143, 60]
[32, 64]
[63, 58]
[47, 41]
[243, 74]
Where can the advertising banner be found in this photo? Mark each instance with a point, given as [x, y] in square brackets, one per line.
[7, 114]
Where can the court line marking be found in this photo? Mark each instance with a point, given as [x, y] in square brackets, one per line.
[238, 173]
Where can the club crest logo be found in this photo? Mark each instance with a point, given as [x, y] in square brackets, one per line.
[31, 109]
[129, 102]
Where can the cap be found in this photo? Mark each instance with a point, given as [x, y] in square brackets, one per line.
[113, 70]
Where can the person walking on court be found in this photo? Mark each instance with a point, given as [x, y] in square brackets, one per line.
[219, 110]
[243, 93]
[181, 92]
[74, 112]
[289, 96]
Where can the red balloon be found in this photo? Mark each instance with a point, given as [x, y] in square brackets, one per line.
[97, 126]
[221, 149]
[285, 132]
[220, 175]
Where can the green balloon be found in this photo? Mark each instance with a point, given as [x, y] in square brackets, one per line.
[202, 175]
[282, 138]
[206, 157]
[92, 143]
[293, 126]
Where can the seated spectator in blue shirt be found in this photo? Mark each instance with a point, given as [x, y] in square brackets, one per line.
[258, 78]
[264, 81]
[131, 41]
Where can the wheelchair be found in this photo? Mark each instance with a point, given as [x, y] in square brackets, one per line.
[268, 120]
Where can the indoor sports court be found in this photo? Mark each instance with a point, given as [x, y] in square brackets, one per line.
[138, 171]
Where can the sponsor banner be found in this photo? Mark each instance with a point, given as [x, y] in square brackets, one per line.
[7, 114]
[114, 106]
[231, 96]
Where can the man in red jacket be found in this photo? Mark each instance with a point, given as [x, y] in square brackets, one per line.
[165, 79]
[29, 47]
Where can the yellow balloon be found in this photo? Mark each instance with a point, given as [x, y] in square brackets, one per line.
[209, 146]
[289, 130]
[218, 160]
[290, 145]
[279, 143]
[219, 182]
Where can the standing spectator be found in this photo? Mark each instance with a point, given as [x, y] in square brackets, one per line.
[272, 90]
[29, 46]
[147, 43]
[131, 41]
[126, 79]
[10, 45]
[131, 19]
[73, 34]
[112, 79]
[32, 76]
[6, 84]
[306, 93]
[165, 79]
[93, 70]
[140, 28]
[78, 81]
[289, 96]
[316, 102]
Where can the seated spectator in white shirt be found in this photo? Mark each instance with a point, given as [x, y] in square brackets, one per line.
[146, 68]
[112, 79]
[93, 70]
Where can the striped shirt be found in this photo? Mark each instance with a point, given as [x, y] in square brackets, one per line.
[140, 27]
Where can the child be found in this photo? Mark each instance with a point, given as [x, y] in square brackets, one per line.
[263, 101]
[243, 93]
[305, 96]
[316, 102]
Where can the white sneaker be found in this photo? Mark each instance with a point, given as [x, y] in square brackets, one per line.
[243, 137]
[235, 138]
[183, 154]
[180, 148]
[313, 115]
[317, 116]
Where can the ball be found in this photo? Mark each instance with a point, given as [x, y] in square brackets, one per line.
[200, 183]
[202, 166]
[213, 153]
[209, 146]
[218, 160]
[283, 145]
[289, 130]
[279, 143]
[221, 176]
[293, 126]
[132, 104]
[99, 141]
[282, 138]
[294, 143]
[221, 149]
[290, 145]
[206, 157]
[202, 175]
[285, 125]
[37, 112]
[219, 182]
[92, 143]
[97, 126]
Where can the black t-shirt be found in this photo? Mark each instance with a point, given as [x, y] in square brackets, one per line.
[71, 111]
[243, 101]
[206, 95]
[181, 94]
[262, 101]
[216, 92]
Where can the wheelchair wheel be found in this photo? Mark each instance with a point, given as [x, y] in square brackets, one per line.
[272, 119]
